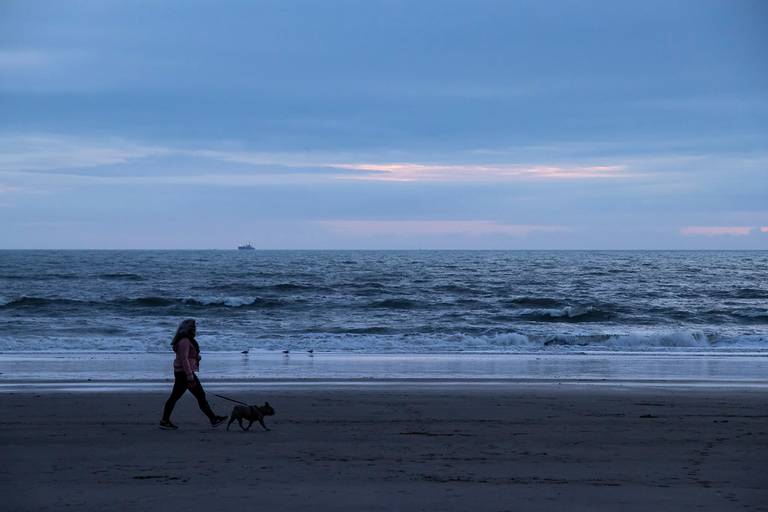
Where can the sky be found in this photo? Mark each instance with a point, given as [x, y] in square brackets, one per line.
[384, 124]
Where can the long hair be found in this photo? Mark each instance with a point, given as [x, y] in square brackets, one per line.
[186, 329]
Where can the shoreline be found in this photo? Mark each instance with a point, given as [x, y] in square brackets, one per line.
[153, 386]
[153, 370]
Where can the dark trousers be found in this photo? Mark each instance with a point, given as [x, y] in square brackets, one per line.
[179, 387]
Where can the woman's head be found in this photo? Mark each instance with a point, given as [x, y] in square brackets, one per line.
[187, 329]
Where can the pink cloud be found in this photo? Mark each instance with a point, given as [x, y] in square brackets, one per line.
[8, 189]
[435, 227]
[716, 230]
[408, 171]
[764, 229]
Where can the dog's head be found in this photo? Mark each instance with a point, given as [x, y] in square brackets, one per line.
[267, 409]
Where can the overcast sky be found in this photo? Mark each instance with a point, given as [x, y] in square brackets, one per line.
[366, 124]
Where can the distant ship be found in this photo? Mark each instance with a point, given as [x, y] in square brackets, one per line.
[246, 247]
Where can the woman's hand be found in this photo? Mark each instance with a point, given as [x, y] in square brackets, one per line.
[191, 383]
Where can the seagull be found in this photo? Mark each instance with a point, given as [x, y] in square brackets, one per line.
[286, 351]
[244, 352]
[311, 351]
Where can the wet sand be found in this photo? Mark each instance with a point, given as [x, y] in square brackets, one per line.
[393, 447]
[226, 368]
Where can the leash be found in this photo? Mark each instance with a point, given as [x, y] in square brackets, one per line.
[230, 399]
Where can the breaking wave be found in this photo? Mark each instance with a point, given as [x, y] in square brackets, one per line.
[383, 340]
[32, 303]
[566, 314]
[377, 340]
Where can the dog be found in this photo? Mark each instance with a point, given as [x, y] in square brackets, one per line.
[250, 413]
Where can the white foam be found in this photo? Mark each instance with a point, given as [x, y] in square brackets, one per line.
[673, 339]
[157, 340]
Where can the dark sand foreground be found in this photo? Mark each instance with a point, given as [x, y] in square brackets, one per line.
[451, 447]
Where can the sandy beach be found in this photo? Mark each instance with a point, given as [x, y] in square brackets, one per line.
[393, 447]
[478, 256]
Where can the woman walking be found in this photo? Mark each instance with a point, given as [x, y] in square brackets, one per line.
[185, 365]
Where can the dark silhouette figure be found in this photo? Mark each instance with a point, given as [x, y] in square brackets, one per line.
[250, 413]
[185, 365]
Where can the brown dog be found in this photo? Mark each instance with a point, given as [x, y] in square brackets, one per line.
[250, 413]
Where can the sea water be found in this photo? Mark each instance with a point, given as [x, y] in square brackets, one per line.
[386, 301]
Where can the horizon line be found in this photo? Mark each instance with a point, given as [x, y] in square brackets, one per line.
[389, 249]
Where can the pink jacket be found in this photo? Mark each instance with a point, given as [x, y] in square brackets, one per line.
[187, 359]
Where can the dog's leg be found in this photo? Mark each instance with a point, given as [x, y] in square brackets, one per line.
[249, 425]
[240, 422]
[261, 420]
[231, 419]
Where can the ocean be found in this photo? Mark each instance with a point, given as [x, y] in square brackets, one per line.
[386, 301]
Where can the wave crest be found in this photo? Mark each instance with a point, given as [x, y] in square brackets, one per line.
[144, 302]
[396, 303]
[567, 314]
[532, 302]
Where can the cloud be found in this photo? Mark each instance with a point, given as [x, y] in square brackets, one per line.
[435, 227]
[409, 171]
[257, 158]
[8, 189]
[716, 230]
[46, 152]
[19, 153]
[14, 60]
[117, 160]
[43, 70]
[210, 178]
